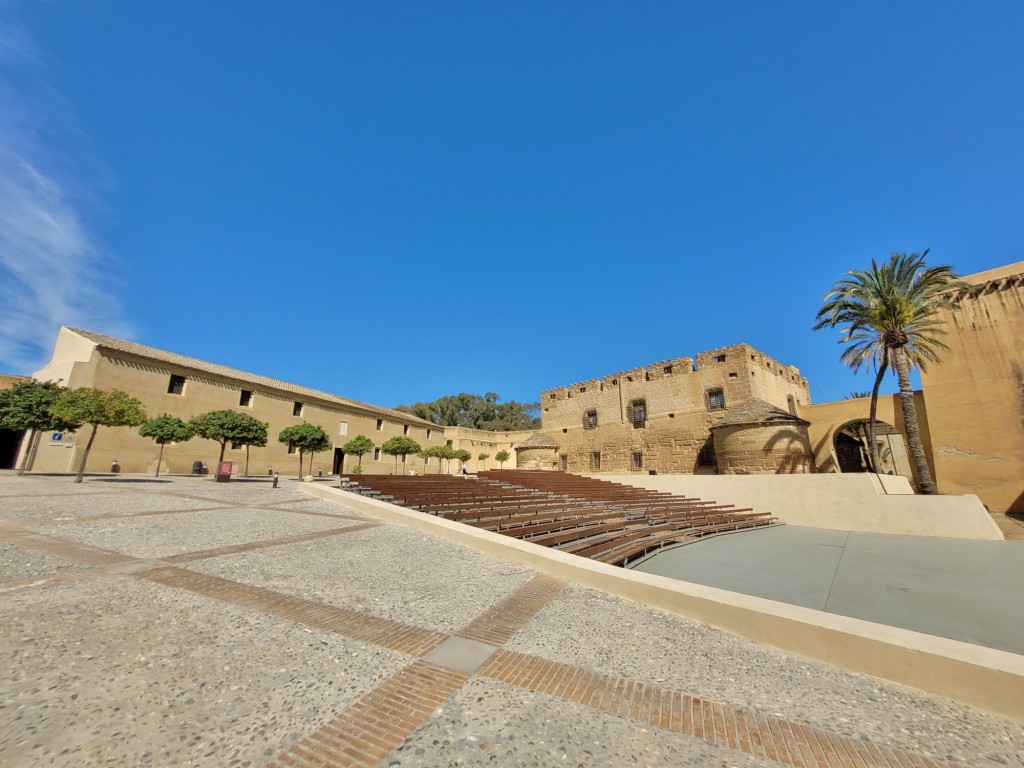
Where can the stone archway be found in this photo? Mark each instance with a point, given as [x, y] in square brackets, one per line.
[850, 445]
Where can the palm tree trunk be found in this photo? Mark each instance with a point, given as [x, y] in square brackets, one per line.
[85, 455]
[924, 475]
[874, 410]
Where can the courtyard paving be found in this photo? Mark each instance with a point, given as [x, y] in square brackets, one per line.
[183, 622]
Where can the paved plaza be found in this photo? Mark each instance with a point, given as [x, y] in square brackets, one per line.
[183, 622]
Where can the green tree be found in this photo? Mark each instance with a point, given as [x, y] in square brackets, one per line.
[165, 429]
[463, 456]
[482, 458]
[307, 438]
[98, 407]
[856, 395]
[358, 446]
[501, 457]
[229, 427]
[479, 412]
[400, 446]
[433, 452]
[27, 406]
[889, 318]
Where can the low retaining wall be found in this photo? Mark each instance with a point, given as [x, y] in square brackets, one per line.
[862, 503]
[982, 677]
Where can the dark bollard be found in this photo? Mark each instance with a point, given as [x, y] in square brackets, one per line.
[275, 480]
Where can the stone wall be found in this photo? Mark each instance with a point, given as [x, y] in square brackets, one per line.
[683, 398]
[763, 449]
[975, 396]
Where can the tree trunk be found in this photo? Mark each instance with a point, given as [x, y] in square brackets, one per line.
[29, 437]
[924, 475]
[223, 447]
[301, 452]
[874, 409]
[159, 458]
[85, 455]
[246, 460]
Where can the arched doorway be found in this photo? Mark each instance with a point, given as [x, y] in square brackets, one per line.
[851, 442]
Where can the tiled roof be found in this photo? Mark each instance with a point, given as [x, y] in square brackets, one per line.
[538, 440]
[172, 358]
[756, 411]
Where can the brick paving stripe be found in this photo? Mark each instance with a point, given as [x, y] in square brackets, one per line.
[498, 623]
[732, 727]
[343, 621]
[371, 728]
[231, 549]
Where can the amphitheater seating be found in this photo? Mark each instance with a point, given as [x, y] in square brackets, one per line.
[605, 521]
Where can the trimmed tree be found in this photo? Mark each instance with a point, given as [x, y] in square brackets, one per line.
[463, 456]
[433, 452]
[400, 446]
[229, 427]
[165, 429]
[99, 407]
[889, 314]
[482, 458]
[27, 406]
[358, 446]
[501, 457]
[307, 438]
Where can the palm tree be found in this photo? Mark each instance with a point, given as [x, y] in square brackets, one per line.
[889, 313]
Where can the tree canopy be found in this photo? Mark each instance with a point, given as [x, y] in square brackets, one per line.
[486, 412]
[438, 452]
[98, 407]
[400, 446]
[501, 457]
[27, 405]
[357, 446]
[307, 438]
[229, 426]
[165, 429]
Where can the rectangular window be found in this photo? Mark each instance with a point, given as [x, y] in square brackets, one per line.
[245, 399]
[429, 432]
[236, 446]
[637, 461]
[380, 425]
[342, 427]
[720, 359]
[595, 461]
[376, 454]
[176, 385]
[292, 448]
[791, 402]
[564, 459]
[668, 370]
[297, 409]
[590, 420]
[638, 413]
[716, 399]
[405, 429]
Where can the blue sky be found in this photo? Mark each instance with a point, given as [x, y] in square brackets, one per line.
[395, 201]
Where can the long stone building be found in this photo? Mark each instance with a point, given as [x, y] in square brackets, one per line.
[167, 382]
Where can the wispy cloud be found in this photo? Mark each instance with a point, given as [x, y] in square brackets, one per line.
[50, 265]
